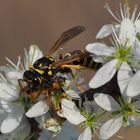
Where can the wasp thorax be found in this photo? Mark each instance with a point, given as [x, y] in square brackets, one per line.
[43, 62]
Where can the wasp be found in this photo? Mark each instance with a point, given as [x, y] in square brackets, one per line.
[42, 78]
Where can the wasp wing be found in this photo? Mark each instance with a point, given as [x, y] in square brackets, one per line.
[66, 36]
[69, 60]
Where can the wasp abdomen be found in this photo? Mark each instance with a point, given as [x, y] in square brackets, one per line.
[85, 59]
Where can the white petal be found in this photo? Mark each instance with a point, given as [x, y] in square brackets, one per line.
[104, 31]
[22, 131]
[133, 88]
[98, 59]
[3, 114]
[11, 106]
[124, 75]
[73, 94]
[137, 24]
[38, 109]
[137, 104]
[100, 49]
[104, 74]
[71, 112]
[8, 92]
[86, 135]
[13, 77]
[106, 102]
[12, 121]
[34, 54]
[110, 128]
[60, 114]
[127, 32]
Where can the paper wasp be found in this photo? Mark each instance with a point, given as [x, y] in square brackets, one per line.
[42, 78]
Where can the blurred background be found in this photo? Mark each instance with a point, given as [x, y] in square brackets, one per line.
[40, 22]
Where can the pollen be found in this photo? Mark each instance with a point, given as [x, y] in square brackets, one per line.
[50, 73]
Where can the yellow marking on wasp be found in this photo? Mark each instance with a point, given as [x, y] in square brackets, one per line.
[40, 65]
[50, 73]
[51, 59]
[39, 71]
[40, 81]
[72, 66]
[50, 66]
[67, 54]
[44, 67]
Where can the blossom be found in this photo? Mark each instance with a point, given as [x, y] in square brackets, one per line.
[124, 112]
[128, 25]
[86, 118]
[11, 100]
[115, 57]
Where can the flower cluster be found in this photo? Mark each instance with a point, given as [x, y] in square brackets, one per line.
[57, 111]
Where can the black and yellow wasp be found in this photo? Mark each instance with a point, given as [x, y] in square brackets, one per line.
[42, 78]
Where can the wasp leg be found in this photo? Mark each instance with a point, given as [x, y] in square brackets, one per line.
[34, 96]
[55, 85]
[72, 66]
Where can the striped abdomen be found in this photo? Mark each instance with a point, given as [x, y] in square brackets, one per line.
[86, 59]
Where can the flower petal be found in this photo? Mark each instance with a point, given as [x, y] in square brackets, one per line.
[104, 74]
[10, 106]
[71, 112]
[34, 53]
[137, 24]
[124, 75]
[8, 92]
[12, 121]
[110, 128]
[31, 56]
[20, 132]
[73, 94]
[100, 49]
[104, 31]
[38, 109]
[13, 77]
[106, 102]
[127, 32]
[86, 135]
[133, 88]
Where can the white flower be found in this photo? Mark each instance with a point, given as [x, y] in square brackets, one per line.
[124, 113]
[127, 26]
[10, 97]
[87, 118]
[15, 71]
[116, 57]
[13, 108]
